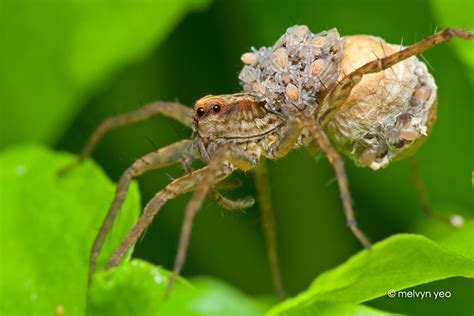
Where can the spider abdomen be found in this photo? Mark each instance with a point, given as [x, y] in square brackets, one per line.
[388, 114]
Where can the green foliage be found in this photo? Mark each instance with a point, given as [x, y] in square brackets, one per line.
[137, 288]
[450, 16]
[56, 53]
[48, 224]
[327, 308]
[66, 65]
[112, 291]
[53, 219]
[396, 263]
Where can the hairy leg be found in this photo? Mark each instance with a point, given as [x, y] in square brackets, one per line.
[222, 201]
[455, 220]
[343, 88]
[231, 205]
[158, 159]
[179, 186]
[288, 138]
[268, 223]
[216, 170]
[338, 164]
[179, 112]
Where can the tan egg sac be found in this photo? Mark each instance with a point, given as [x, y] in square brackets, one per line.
[388, 114]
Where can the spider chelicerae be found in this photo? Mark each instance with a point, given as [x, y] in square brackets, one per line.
[356, 95]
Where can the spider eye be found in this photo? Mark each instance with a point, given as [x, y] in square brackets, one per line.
[216, 108]
[200, 112]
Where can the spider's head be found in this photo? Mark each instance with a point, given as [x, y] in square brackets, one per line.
[232, 116]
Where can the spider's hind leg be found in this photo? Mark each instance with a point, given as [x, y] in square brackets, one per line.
[341, 91]
[454, 220]
[268, 224]
[338, 164]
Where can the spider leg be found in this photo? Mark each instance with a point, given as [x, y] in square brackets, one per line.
[455, 220]
[268, 223]
[343, 88]
[338, 164]
[216, 170]
[222, 201]
[231, 205]
[289, 135]
[184, 184]
[228, 184]
[157, 159]
[179, 112]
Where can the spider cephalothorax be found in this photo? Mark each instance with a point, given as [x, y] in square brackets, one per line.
[376, 102]
[237, 119]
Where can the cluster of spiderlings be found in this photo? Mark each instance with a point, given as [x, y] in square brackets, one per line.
[294, 73]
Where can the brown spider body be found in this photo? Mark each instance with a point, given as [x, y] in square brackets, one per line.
[376, 101]
[385, 117]
[238, 120]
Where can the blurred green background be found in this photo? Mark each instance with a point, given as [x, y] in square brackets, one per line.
[65, 66]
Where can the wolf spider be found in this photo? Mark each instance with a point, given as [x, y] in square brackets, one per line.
[235, 131]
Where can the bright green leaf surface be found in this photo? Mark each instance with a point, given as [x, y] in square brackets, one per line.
[326, 308]
[398, 262]
[137, 288]
[55, 54]
[48, 224]
[457, 13]
[461, 242]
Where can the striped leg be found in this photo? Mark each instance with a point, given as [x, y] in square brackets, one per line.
[179, 112]
[338, 164]
[161, 158]
[343, 88]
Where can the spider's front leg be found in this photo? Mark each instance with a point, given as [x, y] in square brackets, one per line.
[289, 135]
[222, 201]
[179, 112]
[182, 185]
[201, 181]
[163, 157]
[223, 162]
[231, 205]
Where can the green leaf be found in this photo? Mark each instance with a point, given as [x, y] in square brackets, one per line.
[457, 13]
[48, 224]
[137, 288]
[56, 54]
[461, 242]
[396, 263]
[327, 308]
